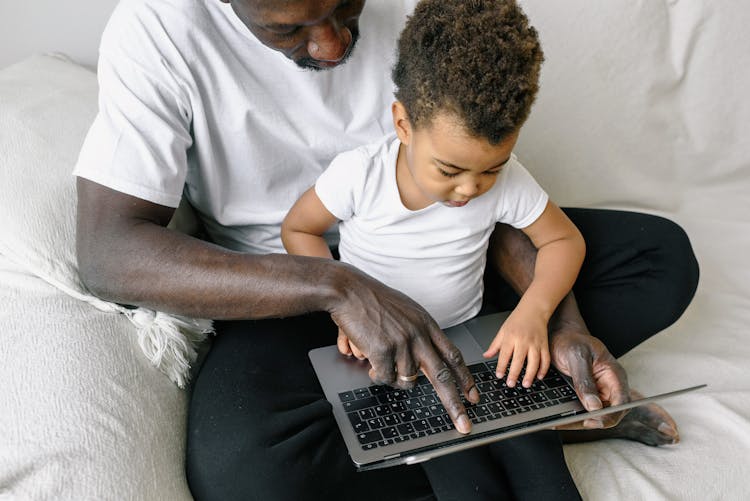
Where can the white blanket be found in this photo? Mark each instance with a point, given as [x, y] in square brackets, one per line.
[38, 191]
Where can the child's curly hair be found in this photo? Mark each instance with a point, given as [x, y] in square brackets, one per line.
[478, 59]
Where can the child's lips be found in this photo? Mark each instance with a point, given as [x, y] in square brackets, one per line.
[454, 203]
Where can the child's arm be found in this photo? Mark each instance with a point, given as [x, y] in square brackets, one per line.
[303, 227]
[302, 234]
[561, 250]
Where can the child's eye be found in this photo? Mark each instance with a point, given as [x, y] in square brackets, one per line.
[492, 172]
[447, 174]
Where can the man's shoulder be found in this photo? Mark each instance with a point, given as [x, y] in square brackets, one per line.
[152, 18]
[163, 8]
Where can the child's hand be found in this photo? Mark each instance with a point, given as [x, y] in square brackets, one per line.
[521, 338]
[347, 348]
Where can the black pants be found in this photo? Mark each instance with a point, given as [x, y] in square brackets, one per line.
[260, 428]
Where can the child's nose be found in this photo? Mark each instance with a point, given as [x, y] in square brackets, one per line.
[468, 189]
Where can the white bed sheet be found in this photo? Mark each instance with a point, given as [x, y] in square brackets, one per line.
[644, 107]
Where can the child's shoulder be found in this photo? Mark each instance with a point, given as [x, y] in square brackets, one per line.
[379, 149]
[370, 158]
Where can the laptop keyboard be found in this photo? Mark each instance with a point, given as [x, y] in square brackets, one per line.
[382, 415]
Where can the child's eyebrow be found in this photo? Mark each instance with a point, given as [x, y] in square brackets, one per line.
[448, 164]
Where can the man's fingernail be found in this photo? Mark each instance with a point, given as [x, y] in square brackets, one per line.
[474, 394]
[593, 402]
[666, 429]
[463, 425]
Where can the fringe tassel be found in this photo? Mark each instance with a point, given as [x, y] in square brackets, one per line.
[169, 341]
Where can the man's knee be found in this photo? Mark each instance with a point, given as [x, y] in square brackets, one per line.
[677, 263]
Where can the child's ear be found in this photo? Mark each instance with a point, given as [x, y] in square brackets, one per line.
[401, 122]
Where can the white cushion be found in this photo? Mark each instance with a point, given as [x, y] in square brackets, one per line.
[84, 415]
[48, 104]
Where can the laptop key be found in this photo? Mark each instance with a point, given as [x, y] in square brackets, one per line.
[391, 420]
[361, 427]
[553, 394]
[356, 405]
[381, 410]
[415, 392]
[539, 397]
[475, 368]
[375, 423]
[346, 396]
[566, 391]
[555, 381]
[362, 393]
[405, 428]
[366, 414]
[390, 432]
[436, 421]
[510, 403]
[421, 425]
[369, 437]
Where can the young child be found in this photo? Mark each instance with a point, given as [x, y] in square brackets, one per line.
[417, 208]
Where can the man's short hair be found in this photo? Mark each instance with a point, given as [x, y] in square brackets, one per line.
[478, 59]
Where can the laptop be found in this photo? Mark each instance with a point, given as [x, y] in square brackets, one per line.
[384, 426]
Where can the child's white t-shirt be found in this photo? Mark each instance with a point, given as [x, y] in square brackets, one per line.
[435, 255]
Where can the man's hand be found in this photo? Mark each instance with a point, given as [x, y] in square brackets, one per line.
[399, 338]
[599, 379]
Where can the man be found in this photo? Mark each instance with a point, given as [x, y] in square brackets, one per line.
[214, 101]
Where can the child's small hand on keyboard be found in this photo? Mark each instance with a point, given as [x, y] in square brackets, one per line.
[521, 339]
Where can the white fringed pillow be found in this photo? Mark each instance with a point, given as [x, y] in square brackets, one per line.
[47, 104]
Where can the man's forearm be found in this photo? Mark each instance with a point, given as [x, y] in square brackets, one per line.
[168, 271]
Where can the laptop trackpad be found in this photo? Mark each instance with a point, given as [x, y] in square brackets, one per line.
[474, 337]
[464, 341]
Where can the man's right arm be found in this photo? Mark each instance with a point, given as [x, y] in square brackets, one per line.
[127, 255]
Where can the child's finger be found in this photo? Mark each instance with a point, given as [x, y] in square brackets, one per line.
[532, 367]
[495, 346]
[544, 365]
[343, 344]
[515, 367]
[502, 360]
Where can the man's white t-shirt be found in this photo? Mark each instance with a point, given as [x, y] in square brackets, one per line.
[191, 104]
[435, 255]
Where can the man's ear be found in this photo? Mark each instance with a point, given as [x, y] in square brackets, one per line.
[401, 122]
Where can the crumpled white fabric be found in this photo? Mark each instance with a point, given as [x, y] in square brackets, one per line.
[38, 198]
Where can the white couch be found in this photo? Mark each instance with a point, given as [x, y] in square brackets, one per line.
[643, 106]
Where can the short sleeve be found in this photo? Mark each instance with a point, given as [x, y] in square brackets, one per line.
[339, 185]
[522, 200]
[139, 140]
